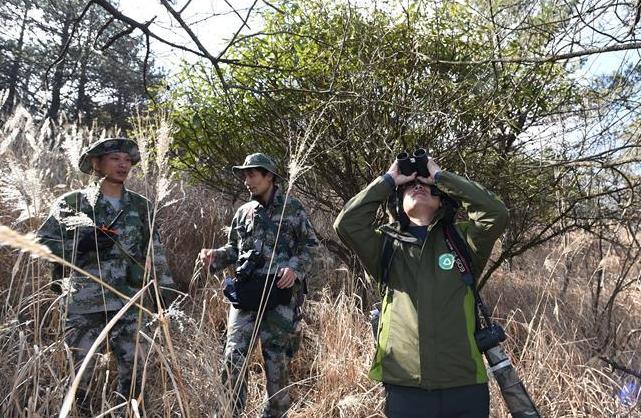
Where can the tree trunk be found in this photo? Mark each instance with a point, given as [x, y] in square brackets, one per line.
[58, 82]
[10, 102]
[83, 109]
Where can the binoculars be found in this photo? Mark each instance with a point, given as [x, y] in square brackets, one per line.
[416, 163]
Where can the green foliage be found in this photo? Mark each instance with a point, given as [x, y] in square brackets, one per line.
[370, 83]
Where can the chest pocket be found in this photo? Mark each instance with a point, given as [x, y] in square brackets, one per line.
[286, 236]
[132, 234]
[244, 234]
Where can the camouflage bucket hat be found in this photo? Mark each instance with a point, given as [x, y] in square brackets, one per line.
[108, 146]
[257, 160]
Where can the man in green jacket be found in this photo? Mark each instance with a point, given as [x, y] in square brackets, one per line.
[426, 354]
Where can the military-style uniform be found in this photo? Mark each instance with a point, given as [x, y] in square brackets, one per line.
[255, 227]
[89, 305]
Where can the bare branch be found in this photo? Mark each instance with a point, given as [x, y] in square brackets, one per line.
[239, 29]
[274, 7]
[184, 7]
[145, 64]
[244, 22]
[616, 366]
[65, 47]
[214, 61]
[280, 32]
[637, 17]
[143, 27]
[115, 38]
[541, 60]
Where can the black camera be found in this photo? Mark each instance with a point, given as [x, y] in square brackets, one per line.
[489, 337]
[252, 291]
[249, 262]
[416, 163]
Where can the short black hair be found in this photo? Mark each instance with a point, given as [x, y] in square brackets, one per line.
[264, 172]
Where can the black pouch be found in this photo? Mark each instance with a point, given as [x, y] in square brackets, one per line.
[249, 293]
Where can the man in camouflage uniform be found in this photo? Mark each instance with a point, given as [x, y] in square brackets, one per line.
[117, 255]
[255, 227]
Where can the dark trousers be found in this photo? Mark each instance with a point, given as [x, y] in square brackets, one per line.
[461, 402]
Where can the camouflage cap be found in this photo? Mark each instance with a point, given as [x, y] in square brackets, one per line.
[257, 160]
[108, 146]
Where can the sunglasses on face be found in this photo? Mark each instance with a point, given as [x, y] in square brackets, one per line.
[434, 191]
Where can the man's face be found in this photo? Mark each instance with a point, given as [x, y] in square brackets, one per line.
[417, 195]
[257, 183]
[114, 167]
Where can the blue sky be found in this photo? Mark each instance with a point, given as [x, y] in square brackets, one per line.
[214, 22]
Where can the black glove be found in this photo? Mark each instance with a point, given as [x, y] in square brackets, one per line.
[88, 237]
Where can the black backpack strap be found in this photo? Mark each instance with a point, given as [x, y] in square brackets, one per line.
[386, 261]
[457, 245]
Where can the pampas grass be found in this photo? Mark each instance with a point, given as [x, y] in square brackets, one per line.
[27, 243]
[20, 190]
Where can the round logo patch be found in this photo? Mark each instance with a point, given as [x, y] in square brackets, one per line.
[446, 261]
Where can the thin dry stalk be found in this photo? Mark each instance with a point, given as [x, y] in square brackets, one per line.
[29, 243]
[71, 393]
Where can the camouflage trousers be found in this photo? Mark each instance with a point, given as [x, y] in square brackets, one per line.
[81, 330]
[279, 336]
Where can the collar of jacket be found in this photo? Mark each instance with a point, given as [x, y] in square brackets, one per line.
[93, 193]
[393, 230]
[277, 199]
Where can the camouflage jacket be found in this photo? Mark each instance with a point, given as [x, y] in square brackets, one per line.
[255, 227]
[121, 265]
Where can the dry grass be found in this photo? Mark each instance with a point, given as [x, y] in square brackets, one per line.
[554, 334]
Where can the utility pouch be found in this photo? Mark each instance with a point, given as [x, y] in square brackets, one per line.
[249, 293]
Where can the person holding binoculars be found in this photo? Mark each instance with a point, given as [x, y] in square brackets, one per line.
[426, 353]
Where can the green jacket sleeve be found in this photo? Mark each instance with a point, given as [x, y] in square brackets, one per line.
[487, 215]
[356, 225]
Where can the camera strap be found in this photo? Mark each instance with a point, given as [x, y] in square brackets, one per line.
[463, 262]
[272, 225]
